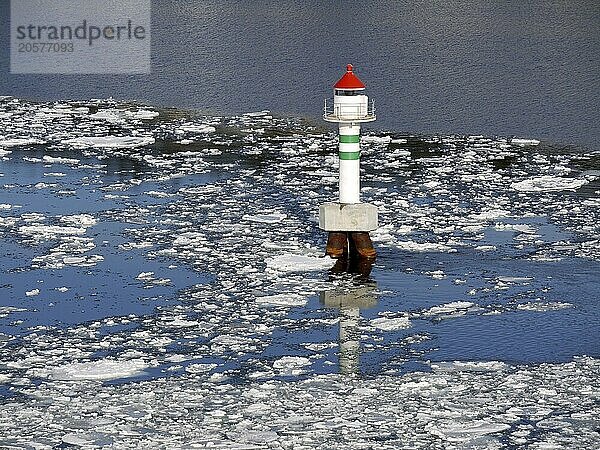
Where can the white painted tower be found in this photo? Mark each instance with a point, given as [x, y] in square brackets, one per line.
[350, 108]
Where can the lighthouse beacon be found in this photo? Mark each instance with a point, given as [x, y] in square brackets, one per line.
[349, 221]
[350, 108]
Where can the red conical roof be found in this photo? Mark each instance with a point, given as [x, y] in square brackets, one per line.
[349, 80]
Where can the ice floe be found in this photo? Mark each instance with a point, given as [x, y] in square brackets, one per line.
[6, 310]
[290, 299]
[524, 142]
[50, 231]
[506, 279]
[467, 431]
[196, 128]
[544, 306]
[264, 218]
[291, 365]
[376, 139]
[412, 246]
[83, 439]
[452, 308]
[298, 263]
[391, 323]
[258, 114]
[59, 160]
[200, 367]
[105, 369]
[109, 142]
[518, 227]
[468, 366]
[121, 115]
[18, 142]
[549, 183]
[81, 220]
[491, 214]
[472, 405]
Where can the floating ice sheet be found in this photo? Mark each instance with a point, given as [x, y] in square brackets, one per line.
[264, 218]
[549, 183]
[59, 160]
[544, 306]
[50, 231]
[298, 263]
[19, 142]
[467, 431]
[109, 142]
[412, 246]
[197, 128]
[468, 366]
[449, 308]
[391, 323]
[524, 142]
[289, 299]
[105, 369]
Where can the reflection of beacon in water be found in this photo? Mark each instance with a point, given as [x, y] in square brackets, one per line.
[350, 302]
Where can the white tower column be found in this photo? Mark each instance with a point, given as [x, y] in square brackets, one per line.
[349, 152]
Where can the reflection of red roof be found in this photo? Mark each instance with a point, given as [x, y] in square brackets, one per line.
[349, 80]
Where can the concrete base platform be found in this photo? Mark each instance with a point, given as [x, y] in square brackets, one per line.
[348, 217]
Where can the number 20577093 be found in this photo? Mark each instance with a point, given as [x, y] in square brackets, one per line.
[45, 47]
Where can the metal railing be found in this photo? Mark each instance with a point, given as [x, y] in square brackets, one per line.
[349, 112]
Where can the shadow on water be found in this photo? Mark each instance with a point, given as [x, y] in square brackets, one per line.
[419, 147]
[114, 164]
[506, 162]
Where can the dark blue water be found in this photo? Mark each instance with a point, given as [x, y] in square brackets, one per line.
[94, 292]
[510, 68]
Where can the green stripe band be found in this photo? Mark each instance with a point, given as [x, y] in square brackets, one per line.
[349, 155]
[349, 139]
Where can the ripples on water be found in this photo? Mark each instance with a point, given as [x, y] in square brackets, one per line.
[158, 266]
